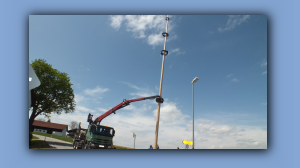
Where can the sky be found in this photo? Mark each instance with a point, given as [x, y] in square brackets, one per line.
[111, 58]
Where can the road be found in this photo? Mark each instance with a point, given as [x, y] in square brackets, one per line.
[56, 143]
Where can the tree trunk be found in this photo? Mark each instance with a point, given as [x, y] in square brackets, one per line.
[32, 117]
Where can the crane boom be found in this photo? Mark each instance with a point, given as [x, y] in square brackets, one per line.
[124, 104]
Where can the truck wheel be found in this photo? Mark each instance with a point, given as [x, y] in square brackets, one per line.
[81, 146]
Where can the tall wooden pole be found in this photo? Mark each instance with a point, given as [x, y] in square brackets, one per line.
[164, 52]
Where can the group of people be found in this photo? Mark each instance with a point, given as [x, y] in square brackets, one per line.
[152, 147]
[158, 147]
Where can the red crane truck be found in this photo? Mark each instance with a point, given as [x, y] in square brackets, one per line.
[97, 136]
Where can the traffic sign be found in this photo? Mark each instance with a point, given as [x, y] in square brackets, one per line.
[187, 142]
[33, 79]
[33, 82]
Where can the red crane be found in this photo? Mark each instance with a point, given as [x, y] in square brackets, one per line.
[124, 104]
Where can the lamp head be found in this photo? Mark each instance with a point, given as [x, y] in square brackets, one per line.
[195, 80]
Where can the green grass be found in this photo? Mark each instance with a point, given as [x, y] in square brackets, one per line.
[122, 147]
[67, 139]
[34, 137]
[38, 144]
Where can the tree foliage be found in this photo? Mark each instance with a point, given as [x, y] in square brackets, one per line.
[54, 95]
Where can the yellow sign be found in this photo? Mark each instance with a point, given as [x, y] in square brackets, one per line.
[187, 142]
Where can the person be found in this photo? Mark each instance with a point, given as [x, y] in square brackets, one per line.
[157, 147]
[90, 119]
[150, 147]
[177, 147]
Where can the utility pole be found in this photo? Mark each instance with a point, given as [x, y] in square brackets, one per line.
[163, 53]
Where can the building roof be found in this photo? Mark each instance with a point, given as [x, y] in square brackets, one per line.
[49, 125]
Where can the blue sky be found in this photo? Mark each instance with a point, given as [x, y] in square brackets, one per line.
[111, 58]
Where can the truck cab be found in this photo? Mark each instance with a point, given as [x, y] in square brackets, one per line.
[99, 136]
[94, 137]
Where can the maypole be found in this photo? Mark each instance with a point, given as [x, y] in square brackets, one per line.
[163, 53]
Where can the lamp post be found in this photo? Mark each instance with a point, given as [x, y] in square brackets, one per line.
[134, 135]
[194, 81]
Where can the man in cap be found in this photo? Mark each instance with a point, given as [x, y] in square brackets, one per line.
[90, 118]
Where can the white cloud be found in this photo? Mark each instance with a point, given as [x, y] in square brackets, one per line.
[155, 39]
[219, 136]
[90, 95]
[83, 68]
[83, 109]
[78, 98]
[131, 85]
[233, 21]
[143, 108]
[176, 51]
[102, 110]
[264, 73]
[139, 24]
[174, 127]
[235, 80]
[229, 75]
[97, 90]
[169, 113]
[141, 92]
[264, 63]
[143, 26]
[116, 21]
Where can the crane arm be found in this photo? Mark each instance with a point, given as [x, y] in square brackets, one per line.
[124, 104]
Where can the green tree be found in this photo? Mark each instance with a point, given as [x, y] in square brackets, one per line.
[73, 125]
[54, 95]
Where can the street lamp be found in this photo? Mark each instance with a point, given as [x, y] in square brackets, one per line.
[194, 81]
[134, 135]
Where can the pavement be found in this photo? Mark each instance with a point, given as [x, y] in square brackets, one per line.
[55, 143]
